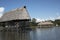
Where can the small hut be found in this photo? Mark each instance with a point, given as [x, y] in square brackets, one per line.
[18, 18]
[45, 24]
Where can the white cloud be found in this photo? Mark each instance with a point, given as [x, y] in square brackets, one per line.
[51, 18]
[0, 15]
[39, 20]
[58, 17]
[1, 11]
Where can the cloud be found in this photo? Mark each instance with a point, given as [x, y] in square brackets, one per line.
[0, 15]
[1, 10]
[51, 18]
[58, 17]
[39, 20]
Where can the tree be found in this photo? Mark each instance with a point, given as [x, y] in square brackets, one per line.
[57, 21]
[33, 20]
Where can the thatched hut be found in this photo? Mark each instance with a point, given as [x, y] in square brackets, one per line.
[18, 17]
[45, 24]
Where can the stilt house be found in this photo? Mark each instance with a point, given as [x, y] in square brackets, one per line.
[18, 17]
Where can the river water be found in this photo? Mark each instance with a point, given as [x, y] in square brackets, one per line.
[37, 34]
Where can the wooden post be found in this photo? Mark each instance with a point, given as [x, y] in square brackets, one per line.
[17, 25]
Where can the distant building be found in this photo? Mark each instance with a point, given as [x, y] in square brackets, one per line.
[18, 17]
[45, 24]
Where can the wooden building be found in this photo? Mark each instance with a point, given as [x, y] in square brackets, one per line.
[46, 24]
[16, 18]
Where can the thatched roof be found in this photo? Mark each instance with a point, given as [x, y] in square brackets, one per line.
[45, 23]
[15, 14]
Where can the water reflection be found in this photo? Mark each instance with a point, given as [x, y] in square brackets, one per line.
[45, 34]
[14, 35]
[38, 34]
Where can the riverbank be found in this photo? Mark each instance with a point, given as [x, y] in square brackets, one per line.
[30, 28]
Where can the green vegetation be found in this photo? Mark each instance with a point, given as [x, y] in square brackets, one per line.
[57, 21]
[33, 23]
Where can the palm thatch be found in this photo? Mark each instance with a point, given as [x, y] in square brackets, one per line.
[45, 23]
[15, 14]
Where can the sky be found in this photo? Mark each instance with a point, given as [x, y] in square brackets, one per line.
[39, 9]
